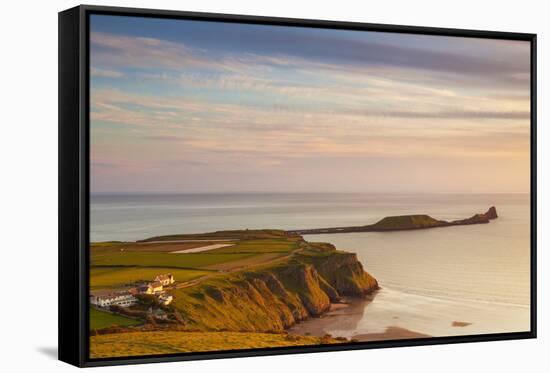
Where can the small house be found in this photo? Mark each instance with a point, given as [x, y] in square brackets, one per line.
[165, 279]
[151, 288]
[165, 299]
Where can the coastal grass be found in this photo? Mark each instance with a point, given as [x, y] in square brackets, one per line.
[263, 299]
[112, 277]
[255, 259]
[166, 342]
[101, 319]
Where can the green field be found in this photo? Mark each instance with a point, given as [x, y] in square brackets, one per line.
[116, 265]
[280, 245]
[121, 264]
[167, 260]
[166, 342]
[101, 319]
[116, 277]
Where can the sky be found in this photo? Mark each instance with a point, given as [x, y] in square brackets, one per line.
[184, 106]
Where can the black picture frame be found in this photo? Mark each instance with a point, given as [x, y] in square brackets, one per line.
[74, 182]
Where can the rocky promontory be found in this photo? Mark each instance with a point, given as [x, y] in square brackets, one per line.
[275, 297]
[405, 222]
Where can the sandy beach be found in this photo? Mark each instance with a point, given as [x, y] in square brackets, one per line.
[352, 310]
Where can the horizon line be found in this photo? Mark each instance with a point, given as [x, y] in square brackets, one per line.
[289, 192]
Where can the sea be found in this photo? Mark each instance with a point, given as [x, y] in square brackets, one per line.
[459, 280]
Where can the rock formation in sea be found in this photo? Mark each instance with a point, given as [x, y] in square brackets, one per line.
[404, 222]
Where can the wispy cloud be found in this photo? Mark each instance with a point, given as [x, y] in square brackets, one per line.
[120, 50]
[244, 131]
[170, 112]
[352, 55]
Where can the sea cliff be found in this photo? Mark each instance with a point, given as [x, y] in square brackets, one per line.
[275, 297]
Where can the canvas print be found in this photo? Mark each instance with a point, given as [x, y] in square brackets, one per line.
[259, 186]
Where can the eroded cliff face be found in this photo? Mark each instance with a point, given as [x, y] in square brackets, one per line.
[345, 274]
[275, 298]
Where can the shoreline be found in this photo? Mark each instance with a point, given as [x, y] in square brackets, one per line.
[316, 326]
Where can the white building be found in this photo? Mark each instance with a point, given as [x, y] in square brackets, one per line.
[151, 288]
[166, 299]
[165, 279]
[114, 299]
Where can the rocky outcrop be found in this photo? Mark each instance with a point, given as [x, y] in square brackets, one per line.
[345, 274]
[275, 298]
[478, 218]
[404, 222]
[491, 213]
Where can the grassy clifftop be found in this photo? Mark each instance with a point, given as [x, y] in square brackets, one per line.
[273, 297]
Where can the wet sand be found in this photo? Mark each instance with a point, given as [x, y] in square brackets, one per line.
[392, 332]
[338, 306]
[344, 315]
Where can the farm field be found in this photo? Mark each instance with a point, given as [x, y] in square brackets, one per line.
[280, 245]
[120, 264]
[112, 247]
[113, 277]
[168, 260]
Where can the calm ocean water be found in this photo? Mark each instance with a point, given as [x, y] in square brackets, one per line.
[477, 274]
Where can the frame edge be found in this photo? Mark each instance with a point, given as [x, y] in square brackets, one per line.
[69, 248]
[72, 214]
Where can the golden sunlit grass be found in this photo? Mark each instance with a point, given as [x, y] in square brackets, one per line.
[166, 342]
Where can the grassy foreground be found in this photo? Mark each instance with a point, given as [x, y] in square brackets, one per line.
[166, 342]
